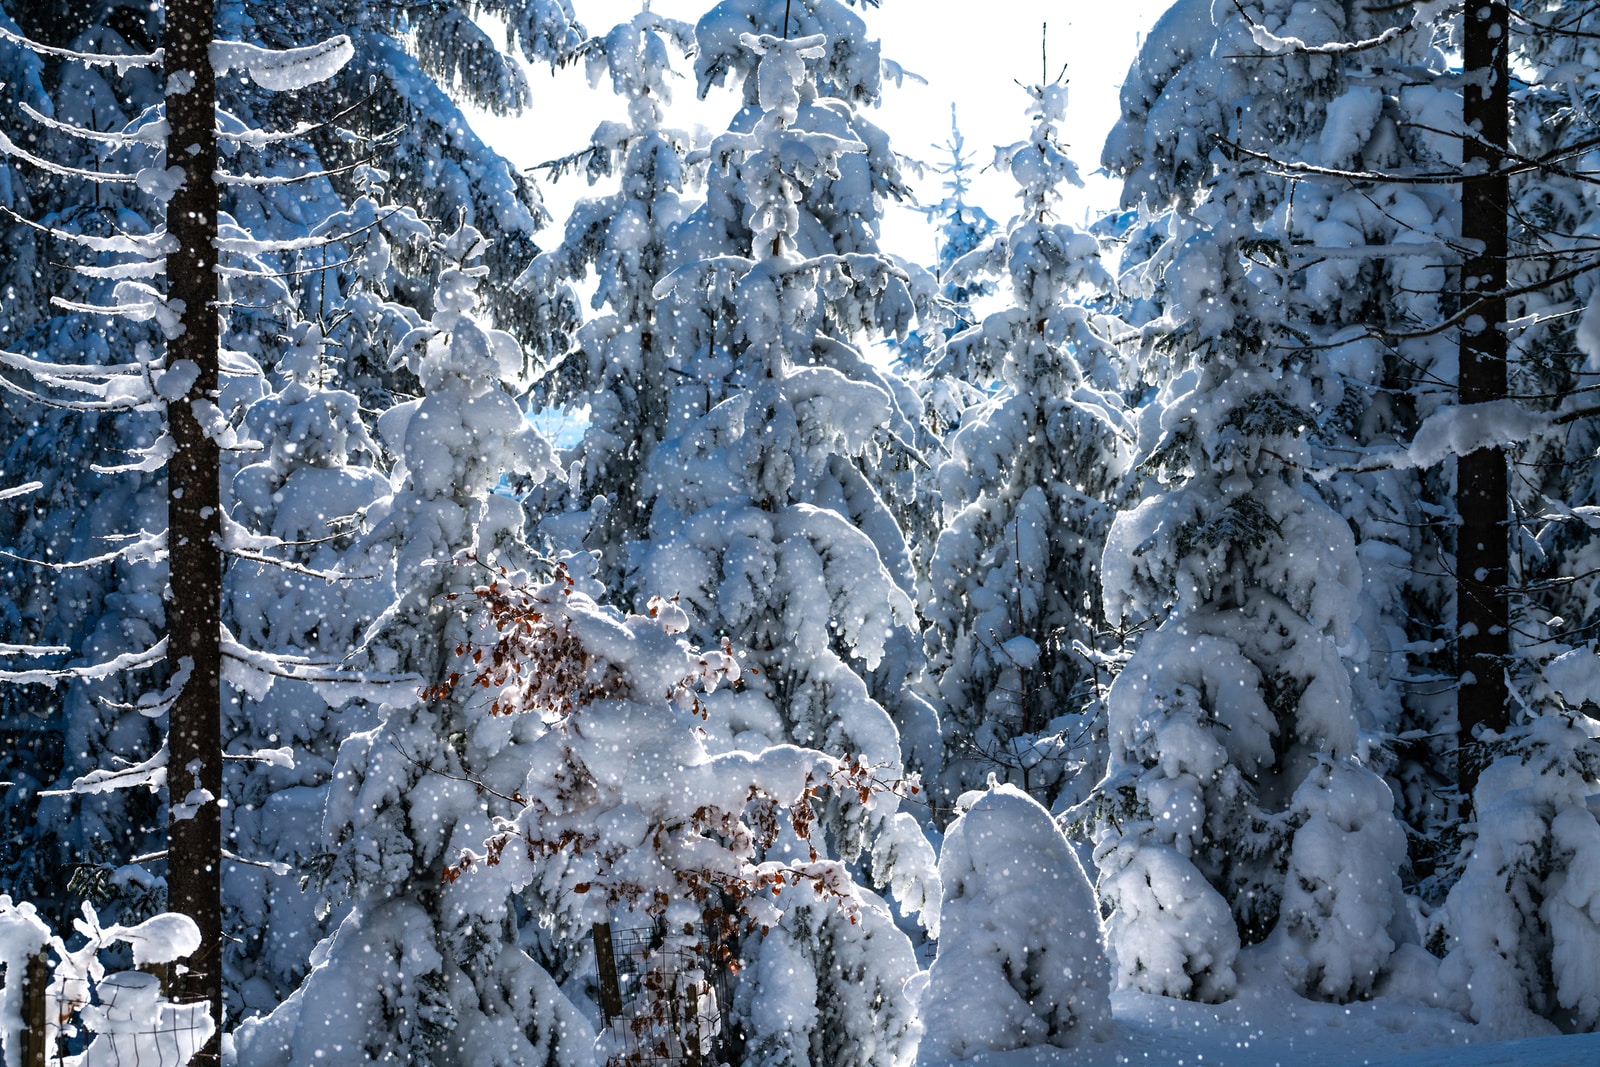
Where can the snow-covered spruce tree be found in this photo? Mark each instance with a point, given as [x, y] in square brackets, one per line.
[622, 366]
[766, 518]
[1372, 264]
[1028, 491]
[418, 971]
[840, 214]
[297, 510]
[944, 303]
[1021, 960]
[1238, 806]
[944, 308]
[764, 524]
[962, 227]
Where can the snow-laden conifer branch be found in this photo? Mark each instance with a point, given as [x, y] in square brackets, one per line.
[154, 306]
[119, 386]
[262, 181]
[137, 270]
[1433, 249]
[153, 134]
[1273, 45]
[110, 177]
[270, 666]
[34, 650]
[1545, 30]
[41, 368]
[1566, 418]
[21, 490]
[275, 866]
[556, 169]
[284, 69]
[111, 404]
[1452, 431]
[719, 271]
[1518, 164]
[242, 544]
[149, 459]
[152, 244]
[122, 63]
[1477, 307]
[282, 756]
[297, 568]
[142, 547]
[128, 661]
[1297, 168]
[1525, 164]
[251, 246]
[150, 774]
[251, 137]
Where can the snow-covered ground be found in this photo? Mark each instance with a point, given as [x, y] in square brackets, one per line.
[1263, 1027]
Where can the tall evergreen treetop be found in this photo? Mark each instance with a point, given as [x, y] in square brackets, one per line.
[1027, 490]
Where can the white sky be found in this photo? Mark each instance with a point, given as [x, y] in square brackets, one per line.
[972, 53]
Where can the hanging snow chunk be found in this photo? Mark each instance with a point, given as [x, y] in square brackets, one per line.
[160, 939]
[287, 69]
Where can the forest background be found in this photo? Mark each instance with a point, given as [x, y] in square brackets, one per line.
[1195, 602]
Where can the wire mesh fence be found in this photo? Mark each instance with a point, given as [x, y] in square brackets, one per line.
[120, 1019]
[664, 995]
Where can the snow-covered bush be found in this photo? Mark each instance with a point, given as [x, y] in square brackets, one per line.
[1021, 959]
[635, 802]
[1523, 922]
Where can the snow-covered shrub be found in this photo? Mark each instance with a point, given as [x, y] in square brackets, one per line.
[1342, 912]
[1021, 959]
[1523, 922]
[633, 804]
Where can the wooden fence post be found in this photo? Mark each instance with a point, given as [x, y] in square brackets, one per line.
[691, 1029]
[35, 1012]
[605, 959]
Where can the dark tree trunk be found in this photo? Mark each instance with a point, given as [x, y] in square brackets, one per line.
[1482, 553]
[194, 615]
